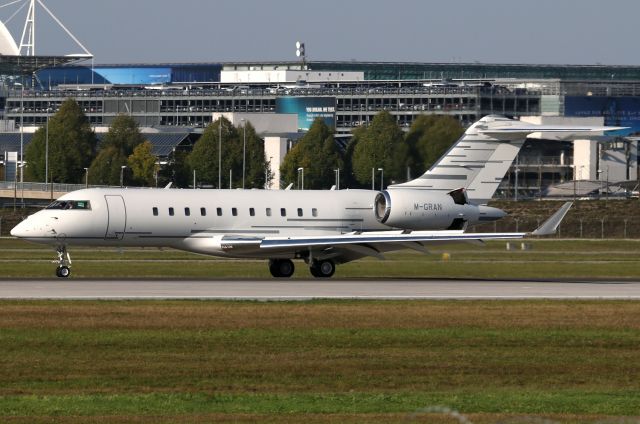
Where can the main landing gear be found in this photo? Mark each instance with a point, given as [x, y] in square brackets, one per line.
[322, 269]
[284, 268]
[64, 262]
[281, 268]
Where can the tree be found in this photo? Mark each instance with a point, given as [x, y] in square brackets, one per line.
[255, 158]
[317, 153]
[381, 145]
[118, 144]
[143, 164]
[204, 157]
[430, 137]
[71, 142]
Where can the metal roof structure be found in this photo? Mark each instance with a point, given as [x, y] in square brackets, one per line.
[10, 142]
[27, 65]
[163, 143]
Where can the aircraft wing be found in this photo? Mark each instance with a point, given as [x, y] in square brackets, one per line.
[347, 247]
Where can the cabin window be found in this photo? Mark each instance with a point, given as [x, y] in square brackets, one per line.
[203, 211]
[252, 212]
[268, 211]
[234, 211]
[170, 211]
[314, 212]
[283, 212]
[299, 211]
[155, 211]
[187, 212]
[219, 211]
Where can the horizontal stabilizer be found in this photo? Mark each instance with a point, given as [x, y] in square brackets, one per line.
[550, 226]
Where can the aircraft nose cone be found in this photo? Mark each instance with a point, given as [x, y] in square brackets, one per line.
[19, 230]
[488, 213]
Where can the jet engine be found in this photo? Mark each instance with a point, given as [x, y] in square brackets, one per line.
[412, 209]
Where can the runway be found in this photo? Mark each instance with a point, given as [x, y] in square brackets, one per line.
[316, 289]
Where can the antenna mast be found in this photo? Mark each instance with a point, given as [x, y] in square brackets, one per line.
[28, 39]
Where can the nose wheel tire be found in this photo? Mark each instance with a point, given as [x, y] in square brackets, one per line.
[281, 268]
[64, 262]
[323, 269]
[63, 271]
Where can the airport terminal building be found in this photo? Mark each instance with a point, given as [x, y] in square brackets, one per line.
[184, 98]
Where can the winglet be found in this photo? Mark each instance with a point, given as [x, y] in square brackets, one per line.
[550, 226]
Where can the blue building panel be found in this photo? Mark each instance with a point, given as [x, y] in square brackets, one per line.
[617, 111]
[129, 75]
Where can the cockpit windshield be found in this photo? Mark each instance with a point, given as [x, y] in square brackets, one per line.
[70, 204]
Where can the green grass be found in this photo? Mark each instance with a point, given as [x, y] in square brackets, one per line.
[320, 361]
[549, 258]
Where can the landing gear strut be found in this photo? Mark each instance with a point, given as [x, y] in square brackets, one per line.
[64, 262]
[322, 269]
[281, 268]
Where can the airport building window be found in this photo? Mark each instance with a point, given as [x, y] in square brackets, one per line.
[234, 211]
[219, 211]
[203, 211]
[170, 211]
[299, 211]
[252, 212]
[314, 212]
[155, 211]
[187, 212]
[268, 211]
[283, 212]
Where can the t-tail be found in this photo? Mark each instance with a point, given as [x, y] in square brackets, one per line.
[479, 160]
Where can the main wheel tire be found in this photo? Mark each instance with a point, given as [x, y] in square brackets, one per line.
[323, 269]
[63, 271]
[281, 268]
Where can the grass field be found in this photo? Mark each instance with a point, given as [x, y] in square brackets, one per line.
[322, 361]
[548, 258]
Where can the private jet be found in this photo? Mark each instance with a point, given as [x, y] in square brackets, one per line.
[322, 228]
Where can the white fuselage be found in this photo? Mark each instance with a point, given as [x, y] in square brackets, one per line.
[185, 219]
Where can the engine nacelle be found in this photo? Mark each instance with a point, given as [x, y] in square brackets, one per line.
[423, 210]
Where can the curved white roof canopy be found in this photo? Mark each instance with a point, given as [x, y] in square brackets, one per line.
[8, 45]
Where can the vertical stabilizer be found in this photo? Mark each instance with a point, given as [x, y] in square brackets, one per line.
[476, 162]
[479, 160]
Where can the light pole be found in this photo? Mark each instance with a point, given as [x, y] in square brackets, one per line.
[337, 171]
[220, 153]
[301, 175]
[22, 141]
[244, 148]
[607, 196]
[46, 152]
[381, 178]
[122, 175]
[86, 177]
[373, 179]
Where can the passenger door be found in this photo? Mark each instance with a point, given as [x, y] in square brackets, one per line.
[117, 217]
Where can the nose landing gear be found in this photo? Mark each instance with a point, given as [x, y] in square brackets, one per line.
[64, 262]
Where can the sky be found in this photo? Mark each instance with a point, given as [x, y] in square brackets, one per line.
[489, 31]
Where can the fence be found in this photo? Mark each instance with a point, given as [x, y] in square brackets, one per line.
[587, 228]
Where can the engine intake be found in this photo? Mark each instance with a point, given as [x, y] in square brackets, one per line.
[424, 210]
